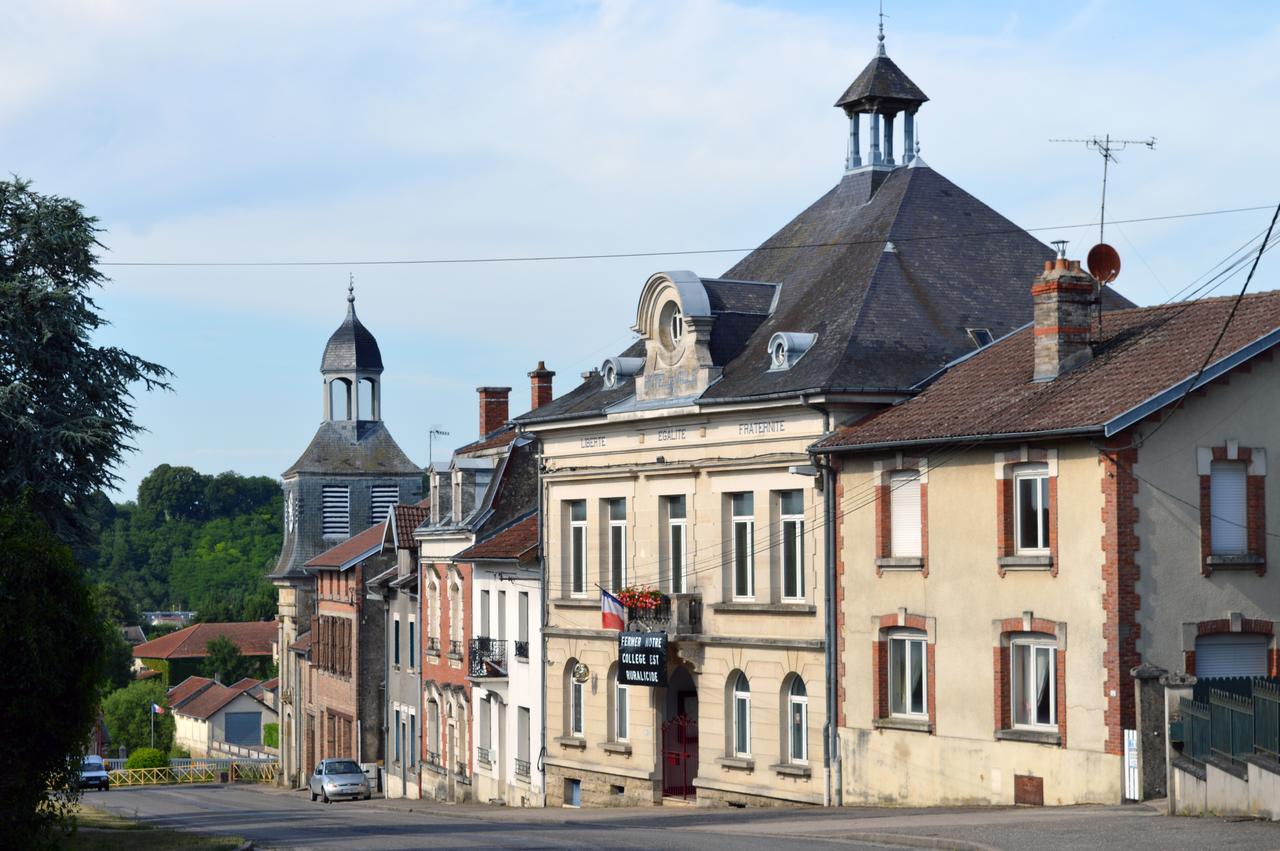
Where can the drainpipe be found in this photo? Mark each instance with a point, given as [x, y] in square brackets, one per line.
[542, 627]
[831, 769]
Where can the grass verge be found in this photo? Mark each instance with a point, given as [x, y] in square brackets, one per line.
[99, 829]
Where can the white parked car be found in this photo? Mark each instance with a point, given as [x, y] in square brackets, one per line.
[93, 773]
[338, 778]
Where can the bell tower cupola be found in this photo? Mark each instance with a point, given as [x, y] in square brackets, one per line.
[352, 370]
[882, 93]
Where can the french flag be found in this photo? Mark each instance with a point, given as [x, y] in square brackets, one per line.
[612, 612]
[157, 709]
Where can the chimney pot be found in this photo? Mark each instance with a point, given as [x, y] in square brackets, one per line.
[493, 408]
[1061, 263]
[540, 386]
[1048, 265]
[1062, 301]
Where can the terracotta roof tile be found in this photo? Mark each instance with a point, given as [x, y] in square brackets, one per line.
[501, 438]
[186, 689]
[253, 638]
[408, 518]
[518, 542]
[302, 644]
[1141, 353]
[350, 550]
[209, 701]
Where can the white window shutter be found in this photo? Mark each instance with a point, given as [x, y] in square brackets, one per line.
[1229, 535]
[904, 514]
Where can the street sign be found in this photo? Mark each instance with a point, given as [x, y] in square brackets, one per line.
[642, 659]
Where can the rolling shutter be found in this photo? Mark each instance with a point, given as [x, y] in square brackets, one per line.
[1235, 654]
[904, 514]
[1227, 507]
[244, 728]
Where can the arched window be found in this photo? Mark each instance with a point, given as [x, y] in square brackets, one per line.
[432, 630]
[368, 399]
[619, 708]
[339, 399]
[573, 700]
[455, 616]
[797, 723]
[739, 715]
[433, 732]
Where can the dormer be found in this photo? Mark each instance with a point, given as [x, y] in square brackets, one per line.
[674, 318]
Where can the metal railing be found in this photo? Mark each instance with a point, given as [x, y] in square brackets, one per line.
[1196, 730]
[433, 761]
[522, 768]
[1231, 723]
[455, 649]
[522, 650]
[488, 657]
[433, 646]
[482, 756]
[198, 771]
[1266, 718]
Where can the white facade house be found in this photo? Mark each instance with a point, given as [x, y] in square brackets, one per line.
[505, 665]
[211, 719]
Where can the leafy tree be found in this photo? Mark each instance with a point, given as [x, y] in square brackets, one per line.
[128, 716]
[66, 408]
[174, 493]
[224, 663]
[49, 675]
[147, 758]
[271, 734]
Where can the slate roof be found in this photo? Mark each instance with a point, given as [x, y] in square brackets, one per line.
[352, 347]
[363, 448]
[352, 550]
[517, 542]
[884, 319]
[1138, 364]
[133, 634]
[882, 79]
[253, 638]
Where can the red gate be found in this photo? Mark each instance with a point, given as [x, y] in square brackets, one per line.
[679, 756]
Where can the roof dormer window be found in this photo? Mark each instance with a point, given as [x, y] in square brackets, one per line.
[786, 348]
[671, 325]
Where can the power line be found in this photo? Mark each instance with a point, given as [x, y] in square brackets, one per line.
[634, 254]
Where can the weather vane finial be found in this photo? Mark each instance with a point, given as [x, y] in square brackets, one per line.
[351, 288]
[880, 37]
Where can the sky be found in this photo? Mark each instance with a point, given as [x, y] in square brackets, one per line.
[346, 133]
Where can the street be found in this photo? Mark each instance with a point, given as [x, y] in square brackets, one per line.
[274, 819]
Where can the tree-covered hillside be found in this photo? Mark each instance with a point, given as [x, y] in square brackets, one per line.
[192, 541]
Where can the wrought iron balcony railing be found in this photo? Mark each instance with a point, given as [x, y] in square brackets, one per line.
[455, 649]
[433, 646]
[488, 657]
[522, 768]
[483, 756]
[677, 614]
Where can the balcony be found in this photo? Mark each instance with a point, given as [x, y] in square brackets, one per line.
[455, 649]
[675, 614]
[522, 768]
[483, 756]
[433, 647]
[488, 657]
[522, 650]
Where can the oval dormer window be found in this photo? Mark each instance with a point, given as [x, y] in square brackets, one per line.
[610, 374]
[671, 325]
[779, 354]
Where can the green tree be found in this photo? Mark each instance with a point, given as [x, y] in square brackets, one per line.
[66, 405]
[174, 493]
[147, 758]
[223, 662]
[128, 716]
[49, 675]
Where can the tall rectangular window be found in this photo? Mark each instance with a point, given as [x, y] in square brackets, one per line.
[578, 546]
[907, 676]
[502, 615]
[522, 733]
[486, 724]
[575, 708]
[381, 500]
[484, 614]
[904, 514]
[335, 509]
[1228, 534]
[676, 542]
[395, 657]
[1033, 686]
[617, 544]
[791, 509]
[1031, 508]
[411, 745]
[743, 521]
[413, 643]
[622, 711]
[523, 617]
[399, 732]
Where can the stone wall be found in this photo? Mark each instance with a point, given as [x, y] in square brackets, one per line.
[600, 789]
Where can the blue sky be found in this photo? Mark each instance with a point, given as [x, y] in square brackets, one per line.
[217, 131]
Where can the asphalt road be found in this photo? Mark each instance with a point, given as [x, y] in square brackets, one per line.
[276, 819]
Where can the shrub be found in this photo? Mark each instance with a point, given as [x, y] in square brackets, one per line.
[147, 758]
[179, 752]
[271, 735]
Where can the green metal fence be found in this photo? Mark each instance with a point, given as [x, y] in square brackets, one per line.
[1195, 728]
[1231, 723]
[1266, 718]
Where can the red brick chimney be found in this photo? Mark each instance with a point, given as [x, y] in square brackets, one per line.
[540, 386]
[1062, 299]
[493, 408]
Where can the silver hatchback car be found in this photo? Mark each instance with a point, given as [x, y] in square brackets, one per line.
[338, 778]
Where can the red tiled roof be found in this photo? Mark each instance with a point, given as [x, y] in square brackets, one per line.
[1142, 353]
[209, 701]
[187, 688]
[408, 518]
[302, 644]
[245, 684]
[518, 541]
[502, 438]
[253, 638]
[271, 684]
[351, 550]
[146, 674]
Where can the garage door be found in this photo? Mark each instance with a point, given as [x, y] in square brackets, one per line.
[244, 728]
[1236, 654]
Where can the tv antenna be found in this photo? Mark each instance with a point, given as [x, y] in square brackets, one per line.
[434, 432]
[1108, 147]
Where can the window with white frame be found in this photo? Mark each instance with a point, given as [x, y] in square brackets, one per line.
[677, 537]
[797, 721]
[578, 546]
[413, 642]
[395, 641]
[522, 736]
[412, 743]
[502, 616]
[399, 731]
[486, 732]
[1033, 682]
[904, 514]
[433, 608]
[522, 617]
[621, 711]
[908, 675]
[1228, 513]
[742, 507]
[617, 544]
[741, 715]
[575, 698]
[484, 614]
[455, 614]
[1031, 509]
[791, 511]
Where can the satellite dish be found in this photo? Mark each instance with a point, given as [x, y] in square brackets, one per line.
[1104, 263]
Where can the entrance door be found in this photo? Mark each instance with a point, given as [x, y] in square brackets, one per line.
[680, 736]
[310, 735]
